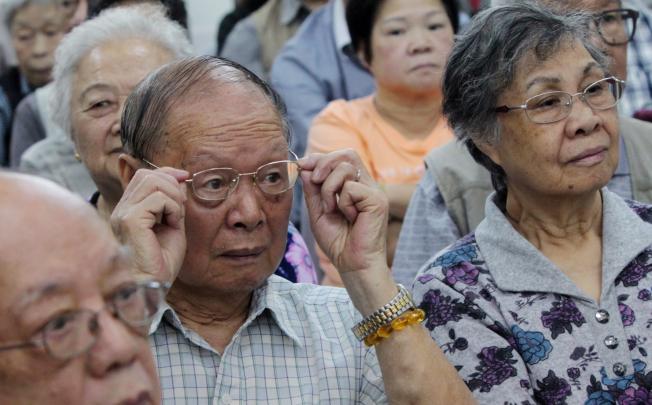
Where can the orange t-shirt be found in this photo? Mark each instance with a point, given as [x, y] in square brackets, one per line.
[389, 157]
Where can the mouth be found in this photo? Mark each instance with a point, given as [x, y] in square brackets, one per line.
[115, 150]
[141, 399]
[244, 254]
[424, 66]
[589, 157]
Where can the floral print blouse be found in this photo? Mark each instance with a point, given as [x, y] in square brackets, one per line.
[519, 331]
[297, 265]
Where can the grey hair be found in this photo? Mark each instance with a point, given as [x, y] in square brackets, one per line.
[145, 21]
[484, 61]
[10, 7]
[144, 116]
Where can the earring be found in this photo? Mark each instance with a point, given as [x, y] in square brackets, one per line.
[77, 157]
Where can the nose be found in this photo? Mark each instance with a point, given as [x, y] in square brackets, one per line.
[116, 346]
[246, 211]
[40, 48]
[420, 41]
[582, 119]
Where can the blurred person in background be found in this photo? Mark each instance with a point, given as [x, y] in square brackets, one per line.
[256, 40]
[241, 9]
[35, 28]
[316, 66]
[405, 45]
[32, 122]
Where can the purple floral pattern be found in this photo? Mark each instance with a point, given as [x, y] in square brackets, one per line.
[296, 265]
[531, 346]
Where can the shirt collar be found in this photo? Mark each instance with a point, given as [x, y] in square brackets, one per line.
[289, 11]
[24, 85]
[266, 297]
[340, 29]
[516, 265]
[623, 160]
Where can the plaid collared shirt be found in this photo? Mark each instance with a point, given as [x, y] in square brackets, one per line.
[638, 92]
[296, 347]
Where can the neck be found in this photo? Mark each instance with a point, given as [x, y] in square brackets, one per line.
[105, 207]
[214, 316]
[555, 220]
[414, 116]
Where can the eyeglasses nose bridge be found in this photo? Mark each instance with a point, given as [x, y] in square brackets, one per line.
[236, 181]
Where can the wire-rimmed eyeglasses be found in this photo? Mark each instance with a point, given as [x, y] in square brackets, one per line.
[218, 183]
[618, 26]
[554, 106]
[74, 332]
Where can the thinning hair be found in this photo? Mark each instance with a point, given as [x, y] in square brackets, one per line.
[11, 7]
[146, 21]
[484, 62]
[144, 116]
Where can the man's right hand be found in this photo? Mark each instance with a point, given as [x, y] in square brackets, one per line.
[149, 218]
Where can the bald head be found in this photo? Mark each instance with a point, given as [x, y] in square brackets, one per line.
[58, 257]
[37, 213]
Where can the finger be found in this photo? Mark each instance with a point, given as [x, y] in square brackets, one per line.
[332, 185]
[327, 163]
[147, 182]
[312, 195]
[157, 208]
[357, 198]
[308, 162]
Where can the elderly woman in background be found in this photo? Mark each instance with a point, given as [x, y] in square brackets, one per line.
[35, 28]
[405, 45]
[97, 66]
[548, 300]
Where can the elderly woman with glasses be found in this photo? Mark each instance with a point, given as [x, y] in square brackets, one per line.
[547, 301]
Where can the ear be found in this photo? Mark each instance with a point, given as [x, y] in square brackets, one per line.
[363, 59]
[128, 165]
[490, 150]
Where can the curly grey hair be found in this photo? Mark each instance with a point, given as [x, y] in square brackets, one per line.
[144, 21]
[485, 59]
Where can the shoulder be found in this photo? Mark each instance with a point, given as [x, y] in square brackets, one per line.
[352, 113]
[644, 211]
[309, 43]
[313, 299]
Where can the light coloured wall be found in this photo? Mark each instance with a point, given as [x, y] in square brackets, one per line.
[204, 17]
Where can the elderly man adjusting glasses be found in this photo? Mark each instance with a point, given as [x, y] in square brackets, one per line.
[214, 218]
[74, 323]
[548, 300]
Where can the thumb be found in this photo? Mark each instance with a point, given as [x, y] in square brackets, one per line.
[312, 195]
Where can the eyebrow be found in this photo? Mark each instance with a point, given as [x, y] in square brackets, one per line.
[556, 80]
[403, 19]
[50, 290]
[96, 86]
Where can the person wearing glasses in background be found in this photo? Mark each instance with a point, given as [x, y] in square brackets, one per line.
[213, 219]
[74, 322]
[548, 300]
[449, 201]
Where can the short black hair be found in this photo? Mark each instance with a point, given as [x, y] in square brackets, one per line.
[361, 16]
[174, 9]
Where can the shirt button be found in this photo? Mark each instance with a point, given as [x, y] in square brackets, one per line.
[611, 342]
[620, 369]
[602, 316]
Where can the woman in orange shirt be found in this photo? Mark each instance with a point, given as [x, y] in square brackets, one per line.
[405, 45]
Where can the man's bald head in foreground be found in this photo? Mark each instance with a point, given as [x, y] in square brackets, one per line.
[58, 257]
